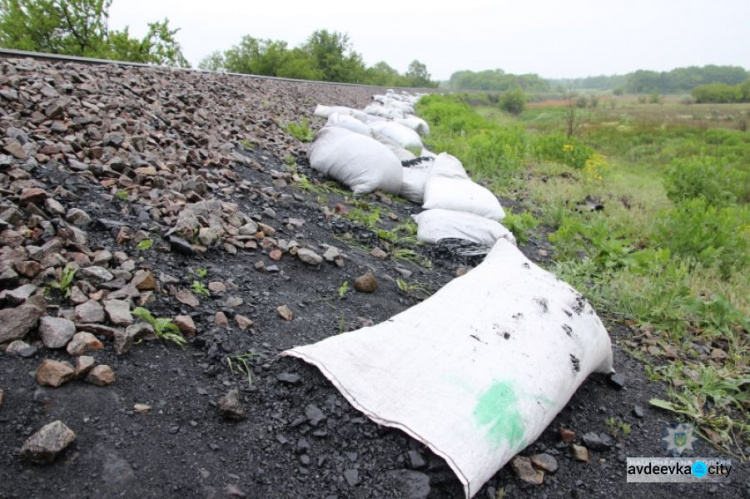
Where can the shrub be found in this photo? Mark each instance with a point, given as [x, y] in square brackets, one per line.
[561, 149]
[513, 101]
[714, 236]
[697, 177]
[498, 151]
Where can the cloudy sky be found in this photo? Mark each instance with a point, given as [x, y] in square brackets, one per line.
[555, 39]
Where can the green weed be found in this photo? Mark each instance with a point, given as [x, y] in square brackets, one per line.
[144, 245]
[367, 218]
[242, 365]
[520, 224]
[200, 288]
[300, 131]
[164, 329]
[343, 289]
[412, 256]
[617, 427]
[65, 283]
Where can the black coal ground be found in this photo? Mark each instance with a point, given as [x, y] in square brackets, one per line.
[183, 448]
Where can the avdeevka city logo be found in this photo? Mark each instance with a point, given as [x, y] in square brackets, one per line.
[678, 439]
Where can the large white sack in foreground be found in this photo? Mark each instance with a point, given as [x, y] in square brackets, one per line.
[477, 371]
[401, 135]
[434, 225]
[459, 194]
[360, 162]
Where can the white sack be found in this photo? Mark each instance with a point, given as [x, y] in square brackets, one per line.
[384, 112]
[426, 153]
[401, 135]
[414, 180]
[360, 162]
[417, 124]
[461, 195]
[448, 166]
[350, 123]
[477, 371]
[402, 106]
[326, 111]
[435, 225]
[401, 153]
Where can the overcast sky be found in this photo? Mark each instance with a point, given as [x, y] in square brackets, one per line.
[555, 39]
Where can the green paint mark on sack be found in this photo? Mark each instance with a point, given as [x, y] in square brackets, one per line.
[497, 409]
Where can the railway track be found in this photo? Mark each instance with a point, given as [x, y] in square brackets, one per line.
[11, 53]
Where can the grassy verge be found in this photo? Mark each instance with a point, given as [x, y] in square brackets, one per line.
[668, 253]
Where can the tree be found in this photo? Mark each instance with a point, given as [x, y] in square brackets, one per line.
[383, 75]
[417, 75]
[256, 56]
[333, 56]
[80, 27]
[212, 62]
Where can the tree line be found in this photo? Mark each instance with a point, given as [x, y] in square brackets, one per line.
[324, 56]
[497, 80]
[80, 28]
[678, 80]
[722, 93]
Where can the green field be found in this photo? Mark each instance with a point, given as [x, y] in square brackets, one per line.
[669, 253]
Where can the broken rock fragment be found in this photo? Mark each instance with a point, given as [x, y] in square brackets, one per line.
[47, 443]
[16, 322]
[54, 373]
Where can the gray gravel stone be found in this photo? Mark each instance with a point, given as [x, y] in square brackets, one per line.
[96, 274]
[56, 332]
[118, 312]
[91, 311]
[309, 257]
[16, 322]
[352, 477]
[230, 407]
[314, 415]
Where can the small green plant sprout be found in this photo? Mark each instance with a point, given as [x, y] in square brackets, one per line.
[66, 281]
[240, 363]
[121, 194]
[164, 329]
[412, 256]
[617, 427]
[200, 288]
[247, 144]
[300, 131]
[289, 160]
[202, 273]
[411, 289]
[343, 289]
[144, 245]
